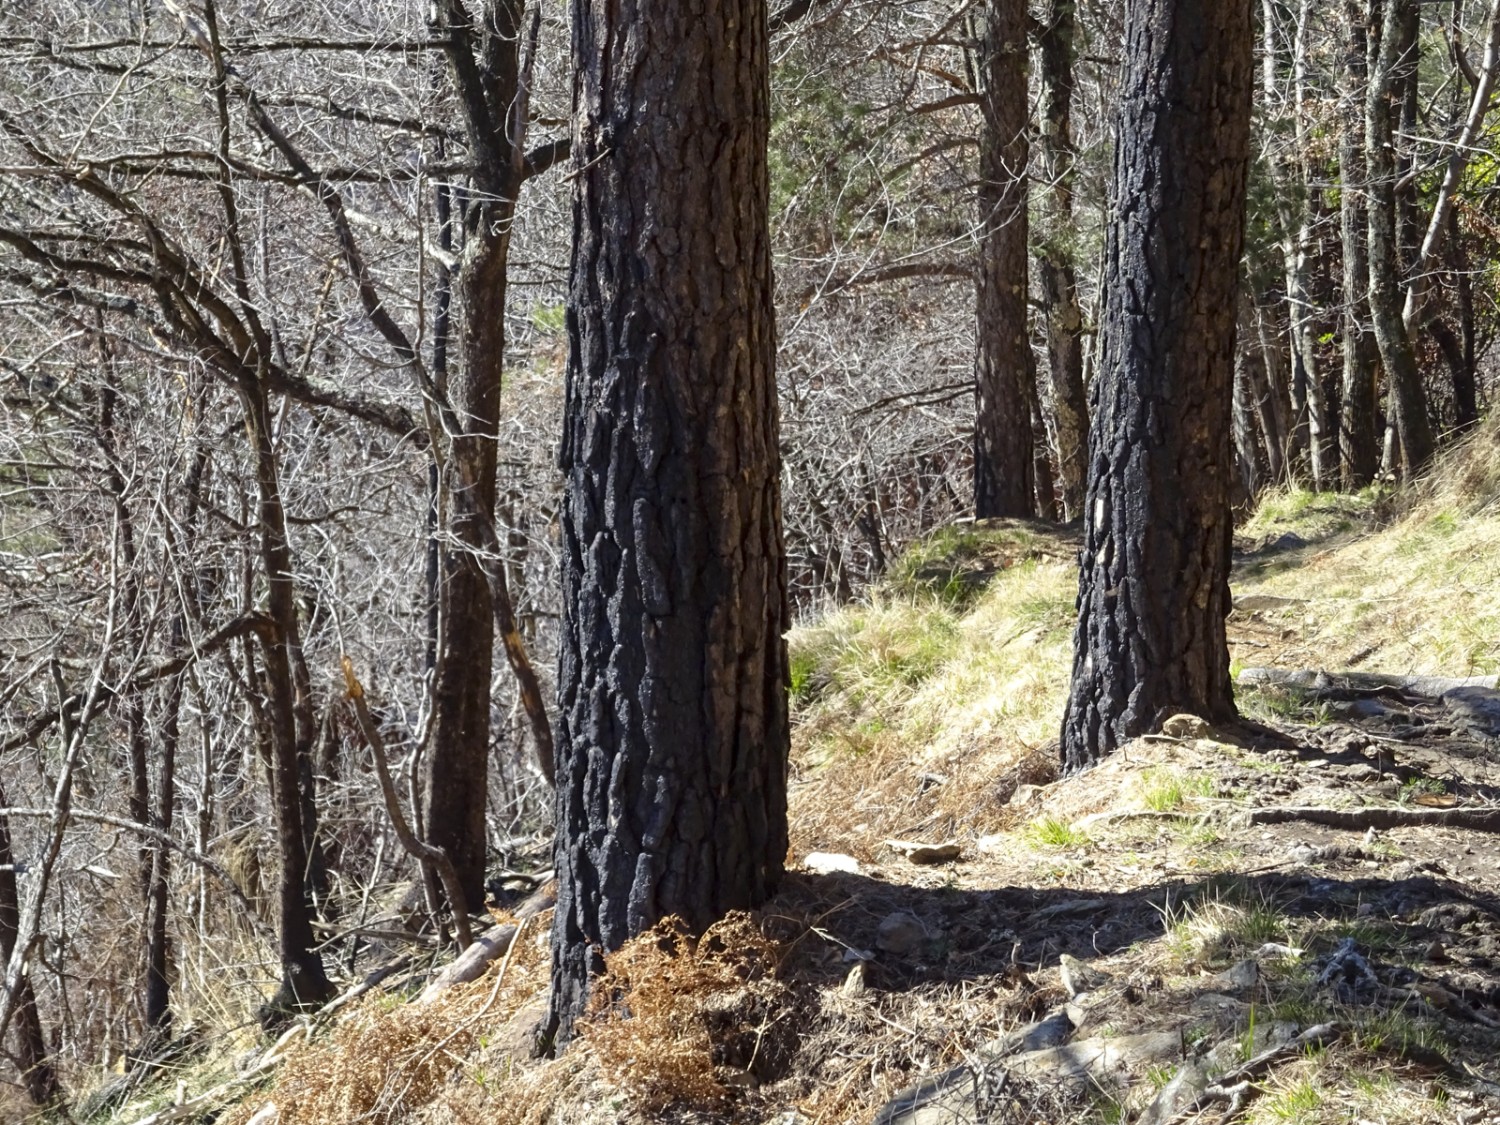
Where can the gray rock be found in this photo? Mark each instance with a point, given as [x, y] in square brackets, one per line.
[1079, 978]
[1244, 975]
[825, 863]
[1177, 1096]
[900, 933]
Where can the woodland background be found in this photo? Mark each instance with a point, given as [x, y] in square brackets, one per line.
[131, 528]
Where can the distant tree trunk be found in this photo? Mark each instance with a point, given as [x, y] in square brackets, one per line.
[1154, 582]
[485, 60]
[1296, 214]
[1004, 483]
[1408, 399]
[1246, 453]
[38, 1075]
[1465, 388]
[289, 721]
[672, 755]
[1056, 273]
[1047, 507]
[1359, 454]
[1269, 396]
[158, 945]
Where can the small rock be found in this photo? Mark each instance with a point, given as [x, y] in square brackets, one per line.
[1361, 771]
[854, 983]
[1436, 952]
[1213, 1003]
[900, 933]
[1077, 977]
[1242, 976]
[1186, 726]
[926, 853]
[1024, 795]
[826, 863]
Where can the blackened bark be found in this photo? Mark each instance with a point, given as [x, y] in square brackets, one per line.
[1408, 398]
[1056, 274]
[1359, 453]
[37, 1072]
[1003, 384]
[672, 755]
[1154, 582]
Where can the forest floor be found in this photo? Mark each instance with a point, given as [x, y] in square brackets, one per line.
[1168, 937]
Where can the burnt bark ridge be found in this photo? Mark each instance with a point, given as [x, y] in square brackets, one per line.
[673, 737]
[1154, 579]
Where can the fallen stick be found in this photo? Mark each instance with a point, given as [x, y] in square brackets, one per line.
[494, 942]
[1485, 819]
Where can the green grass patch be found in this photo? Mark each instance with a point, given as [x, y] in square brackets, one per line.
[1050, 832]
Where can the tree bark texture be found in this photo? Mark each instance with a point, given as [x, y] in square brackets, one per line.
[1057, 275]
[673, 736]
[1003, 382]
[1408, 398]
[1154, 581]
[1359, 454]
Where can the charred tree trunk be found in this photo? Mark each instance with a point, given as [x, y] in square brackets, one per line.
[1004, 484]
[1056, 274]
[1359, 453]
[672, 760]
[1154, 582]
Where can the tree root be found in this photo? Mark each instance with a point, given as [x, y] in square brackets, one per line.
[1485, 819]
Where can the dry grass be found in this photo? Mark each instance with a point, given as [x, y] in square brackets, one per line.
[389, 1058]
[1416, 593]
[678, 1021]
[923, 716]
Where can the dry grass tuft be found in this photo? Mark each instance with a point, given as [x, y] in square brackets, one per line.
[675, 1020]
[389, 1058]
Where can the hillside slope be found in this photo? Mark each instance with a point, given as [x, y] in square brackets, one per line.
[1167, 921]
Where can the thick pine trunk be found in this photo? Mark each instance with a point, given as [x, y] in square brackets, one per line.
[672, 755]
[1003, 382]
[1154, 582]
[1056, 274]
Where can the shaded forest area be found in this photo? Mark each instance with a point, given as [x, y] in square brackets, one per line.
[284, 327]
